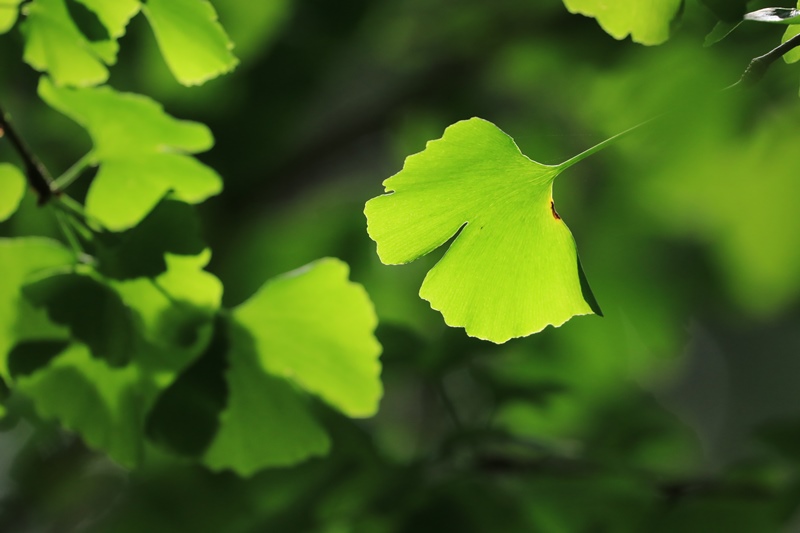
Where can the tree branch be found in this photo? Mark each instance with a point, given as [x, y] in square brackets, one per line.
[759, 66]
[38, 177]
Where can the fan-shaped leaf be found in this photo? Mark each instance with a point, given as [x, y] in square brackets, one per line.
[315, 328]
[114, 14]
[142, 153]
[192, 42]
[646, 22]
[12, 189]
[513, 268]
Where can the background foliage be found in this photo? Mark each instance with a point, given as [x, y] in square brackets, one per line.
[677, 411]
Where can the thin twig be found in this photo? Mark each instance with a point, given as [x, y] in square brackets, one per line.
[38, 177]
[759, 66]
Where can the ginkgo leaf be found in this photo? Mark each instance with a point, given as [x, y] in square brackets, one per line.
[646, 22]
[193, 43]
[54, 44]
[266, 422]
[9, 11]
[12, 189]
[513, 268]
[142, 152]
[114, 14]
[315, 328]
[20, 258]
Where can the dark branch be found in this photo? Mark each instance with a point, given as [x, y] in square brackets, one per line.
[759, 66]
[38, 177]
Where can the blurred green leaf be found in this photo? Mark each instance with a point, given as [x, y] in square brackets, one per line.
[513, 268]
[20, 258]
[266, 421]
[93, 312]
[315, 328]
[114, 14]
[12, 189]
[142, 152]
[646, 22]
[192, 42]
[721, 30]
[9, 11]
[55, 45]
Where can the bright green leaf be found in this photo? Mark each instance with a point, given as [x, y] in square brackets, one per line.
[54, 44]
[141, 150]
[266, 422]
[513, 268]
[793, 56]
[21, 258]
[12, 189]
[193, 43]
[114, 14]
[9, 10]
[646, 22]
[315, 328]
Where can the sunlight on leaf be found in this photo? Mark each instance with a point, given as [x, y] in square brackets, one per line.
[513, 268]
[114, 14]
[266, 422]
[646, 22]
[315, 328]
[9, 11]
[142, 152]
[20, 258]
[775, 15]
[193, 43]
[12, 189]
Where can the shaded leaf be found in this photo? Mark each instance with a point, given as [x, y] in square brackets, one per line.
[54, 44]
[93, 312]
[87, 22]
[266, 422]
[721, 30]
[21, 258]
[315, 328]
[192, 42]
[12, 189]
[141, 150]
[172, 227]
[9, 11]
[646, 22]
[513, 268]
[29, 356]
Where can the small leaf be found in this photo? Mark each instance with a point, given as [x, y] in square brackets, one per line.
[193, 43]
[114, 14]
[315, 328]
[29, 356]
[93, 312]
[775, 15]
[721, 30]
[21, 258]
[54, 44]
[141, 150]
[266, 422]
[513, 268]
[647, 22]
[9, 11]
[12, 189]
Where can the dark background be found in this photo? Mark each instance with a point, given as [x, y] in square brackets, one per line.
[678, 411]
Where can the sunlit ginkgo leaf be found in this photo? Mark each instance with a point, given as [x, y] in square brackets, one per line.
[646, 22]
[513, 268]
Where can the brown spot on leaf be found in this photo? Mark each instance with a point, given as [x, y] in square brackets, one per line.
[553, 210]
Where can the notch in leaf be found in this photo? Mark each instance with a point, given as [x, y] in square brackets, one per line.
[513, 268]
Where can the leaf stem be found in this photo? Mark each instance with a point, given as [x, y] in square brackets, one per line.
[604, 144]
[759, 66]
[66, 229]
[38, 177]
[73, 172]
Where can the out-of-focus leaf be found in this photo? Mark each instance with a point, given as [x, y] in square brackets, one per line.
[93, 312]
[142, 152]
[721, 30]
[12, 189]
[513, 268]
[253, 25]
[775, 15]
[114, 14]
[172, 227]
[29, 356]
[646, 22]
[730, 11]
[266, 422]
[793, 56]
[54, 44]
[315, 328]
[193, 43]
[9, 11]
[20, 258]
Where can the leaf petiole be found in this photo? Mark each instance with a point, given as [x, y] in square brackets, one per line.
[74, 172]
